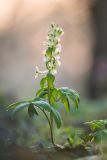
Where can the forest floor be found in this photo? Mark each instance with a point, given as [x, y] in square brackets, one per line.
[15, 152]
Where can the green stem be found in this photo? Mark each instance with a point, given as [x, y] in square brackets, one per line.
[47, 117]
[47, 120]
[51, 118]
[50, 125]
[52, 138]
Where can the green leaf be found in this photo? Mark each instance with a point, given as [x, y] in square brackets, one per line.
[54, 95]
[49, 52]
[88, 138]
[44, 105]
[42, 93]
[70, 94]
[38, 102]
[65, 102]
[96, 124]
[70, 140]
[43, 82]
[18, 106]
[50, 79]
[57, 117]
[38, 99]
[32, 111]
[38, 92]
[98, 136]
[105, 131]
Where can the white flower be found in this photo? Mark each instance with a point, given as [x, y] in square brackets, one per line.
[40, 72]
[58, 62]
[57, 57]
[36, 75]
[54, 71]
[58, 49]
[37, 69]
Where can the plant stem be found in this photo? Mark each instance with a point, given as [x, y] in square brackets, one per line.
[46, 117]
[50, 125]
[51, 118]
[52, 138]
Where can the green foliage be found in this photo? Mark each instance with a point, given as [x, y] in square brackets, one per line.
[98, 133]
[99, 129]
[50, 80]
[33, 106]
[68, 95]
[43, 82]
[97, 124]
[87, 138]
[32, 110]
[48, 96]
[74, 137]
[18, 106]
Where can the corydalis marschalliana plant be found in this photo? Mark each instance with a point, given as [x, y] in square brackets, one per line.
[48, 96]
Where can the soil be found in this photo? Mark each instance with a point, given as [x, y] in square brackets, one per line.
[15, 152]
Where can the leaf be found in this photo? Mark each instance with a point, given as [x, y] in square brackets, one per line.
[49, 52]
[74, 139]
[43, 82]
[18, 106]
[101, 135]
[42, 93]
[44, 105]
[105, 131]
[96, 124]
[98, 136]
[71, 94]
[38, 99]
[57, 117]
[88, 138]
[70, 141]
[40, 103]
[54, 95]
[65, 102]
[50, 79]
[32, 111]
[38, 92]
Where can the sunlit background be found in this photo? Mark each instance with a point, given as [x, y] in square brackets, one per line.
[23, 29]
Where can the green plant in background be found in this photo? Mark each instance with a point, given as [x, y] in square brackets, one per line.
[74, 137]
[99, 131]
[97, 135]
[48, 97]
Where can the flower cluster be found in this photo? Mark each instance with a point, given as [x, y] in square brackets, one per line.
[52, 53]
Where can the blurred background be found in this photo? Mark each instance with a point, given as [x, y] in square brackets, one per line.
[23, 29]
